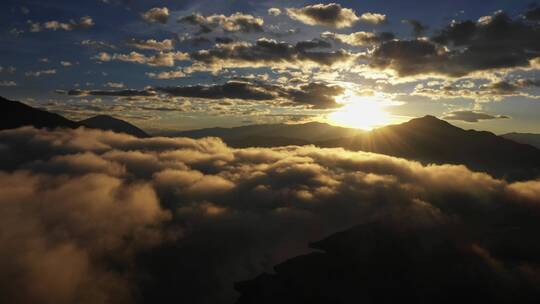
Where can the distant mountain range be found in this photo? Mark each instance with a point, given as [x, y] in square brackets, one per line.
[239, 137]
[524, 138]
[108, 123]
[14, 114]
[427, 139]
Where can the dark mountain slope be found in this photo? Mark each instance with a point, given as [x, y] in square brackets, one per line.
[14, 114]
[108, 123]
[309, 132]
[524, 138]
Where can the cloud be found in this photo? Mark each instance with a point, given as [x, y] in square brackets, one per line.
[125, 93]
[331, 15]
[236, 22]
[152, 44]
[492, 43]
[533, 13]
[167, 75]
[418, 29]
[156, 15]
[472, 116]
[373, 18]
[83, 23]
[274, 11]
[493, 91]
[40, 73]
[360, 38]
[116, 85]
[97, 44]
[312, 95]
[92, 216]
[160, 59]
[267, 52]
[8, 83]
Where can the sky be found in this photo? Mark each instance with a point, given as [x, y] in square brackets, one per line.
[177, 65]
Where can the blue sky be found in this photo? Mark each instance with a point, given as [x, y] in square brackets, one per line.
[134, 60]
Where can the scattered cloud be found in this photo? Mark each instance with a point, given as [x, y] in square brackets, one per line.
[267, 52]
[8, 83]
[359, 38]
[274, 11]
[152, 44]
[330, 15]
[472, 116]
[83, 23]
[418, 28]
[40, 73]
[166, 75]
[373, 18]
[159, 59]
[236, 22]
[156, 15]
[115, 85]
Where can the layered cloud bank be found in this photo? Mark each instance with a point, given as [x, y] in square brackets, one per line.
[89, 216]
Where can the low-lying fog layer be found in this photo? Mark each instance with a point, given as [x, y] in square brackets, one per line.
[89, 216]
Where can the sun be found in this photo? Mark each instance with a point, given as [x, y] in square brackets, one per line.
[360, 112]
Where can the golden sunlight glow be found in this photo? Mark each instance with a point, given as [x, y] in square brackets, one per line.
[361, 112]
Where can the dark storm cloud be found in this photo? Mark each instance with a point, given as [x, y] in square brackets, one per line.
[232, 89]
[533, 14]
[511, 87]
[472, 116]
[237, 22]
[224, 40]
[314, 95]
[267, 52]
[462, 48]
[312, 44]
[90, 216]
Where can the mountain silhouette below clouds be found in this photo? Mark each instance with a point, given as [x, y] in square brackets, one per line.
[109, 123]
[15, 114]
[426, 139]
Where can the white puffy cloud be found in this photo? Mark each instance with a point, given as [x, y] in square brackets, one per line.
[331, 15]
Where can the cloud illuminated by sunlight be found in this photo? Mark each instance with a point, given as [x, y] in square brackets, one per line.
[361, 112]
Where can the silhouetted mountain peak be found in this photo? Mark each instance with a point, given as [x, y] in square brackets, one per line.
[109, 123]
[15, 114]
[429, 122]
